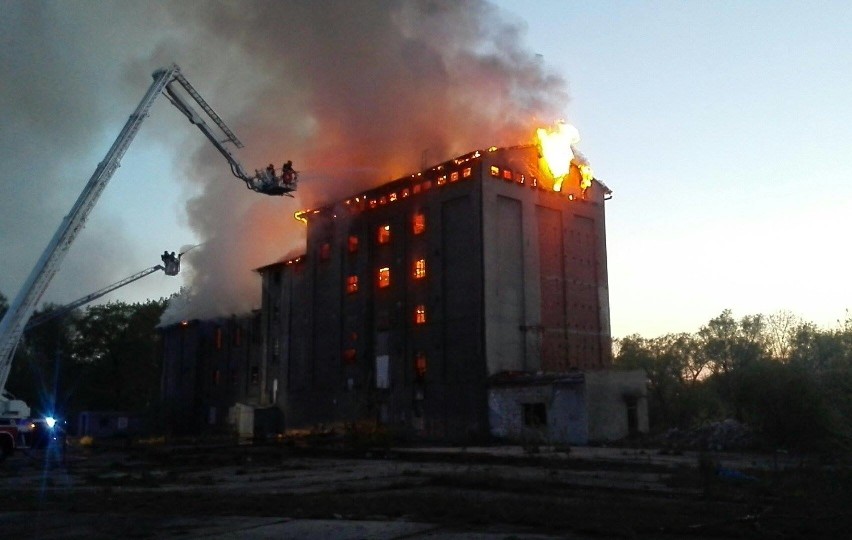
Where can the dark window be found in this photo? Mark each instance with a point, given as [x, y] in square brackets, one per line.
[349, 356]
[255, 375]
[217, 338]
[325, 251]
[420, 366]
[535, 415]
[237, 336]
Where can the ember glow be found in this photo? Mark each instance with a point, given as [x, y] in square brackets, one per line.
[587, 175]
[555, 147]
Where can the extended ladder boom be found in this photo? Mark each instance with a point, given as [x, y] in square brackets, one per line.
[22, 307]
[67, 308]
[19, 312]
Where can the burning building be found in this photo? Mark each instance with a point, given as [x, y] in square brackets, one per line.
[465, 301]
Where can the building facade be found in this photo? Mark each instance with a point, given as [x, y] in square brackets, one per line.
[414, 299]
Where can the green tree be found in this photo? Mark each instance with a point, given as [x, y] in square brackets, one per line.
[116, 352]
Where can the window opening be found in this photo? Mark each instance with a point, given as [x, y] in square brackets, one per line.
[454, 176]
[495, 171]
[325, 251]
[217, 339]
[384, 234]
[535, 415]
[384, 277]
[420, 268]
[420, 314]
[418, 223]
[353, 243]
[467, 172]
[420, 366]
[352, 284]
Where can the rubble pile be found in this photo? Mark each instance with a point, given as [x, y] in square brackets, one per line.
[727, 435]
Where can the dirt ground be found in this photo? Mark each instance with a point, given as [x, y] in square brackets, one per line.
[146, 490]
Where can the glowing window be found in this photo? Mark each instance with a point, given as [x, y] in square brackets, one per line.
[454, 176]
[418, 224]
[427, 185]
[507, 174]
[383, 200]
[420, 366]
[384, 277]
[352, 284]
[533, 182]
[520, 178]
[384, 236]
[467, 172]
[373, 203]
[495, 171]
[349, 356]
[392, 197]
[420, 268]
[442, 180]
[404, 193]
[325, 251]
[420, 314]
[416, 189]
[353, 243]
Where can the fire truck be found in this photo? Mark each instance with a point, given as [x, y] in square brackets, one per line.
[171, 83]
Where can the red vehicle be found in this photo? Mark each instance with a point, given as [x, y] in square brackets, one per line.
[9, 437]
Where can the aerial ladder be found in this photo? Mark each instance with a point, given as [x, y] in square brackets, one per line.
[170, 266]
[171, 82]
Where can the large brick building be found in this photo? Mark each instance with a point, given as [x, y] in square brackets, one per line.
[465, 300]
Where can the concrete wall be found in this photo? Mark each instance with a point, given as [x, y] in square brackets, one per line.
[545, 274]
[565, 407]
[608, 396]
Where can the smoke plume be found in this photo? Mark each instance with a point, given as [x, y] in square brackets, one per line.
[355, 93]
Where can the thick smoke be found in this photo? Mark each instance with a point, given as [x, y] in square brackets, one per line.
[356, 93]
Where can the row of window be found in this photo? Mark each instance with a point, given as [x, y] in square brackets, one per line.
[350, 357]
[383, 276]
[518, 178]
[455, 176]
[219, 337]
[383, 236]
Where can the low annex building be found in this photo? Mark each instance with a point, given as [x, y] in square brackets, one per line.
[467, 301]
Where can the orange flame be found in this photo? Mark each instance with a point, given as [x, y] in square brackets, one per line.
[586, 176]
[555, 148]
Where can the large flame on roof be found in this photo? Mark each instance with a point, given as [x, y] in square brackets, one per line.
[555, 145]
